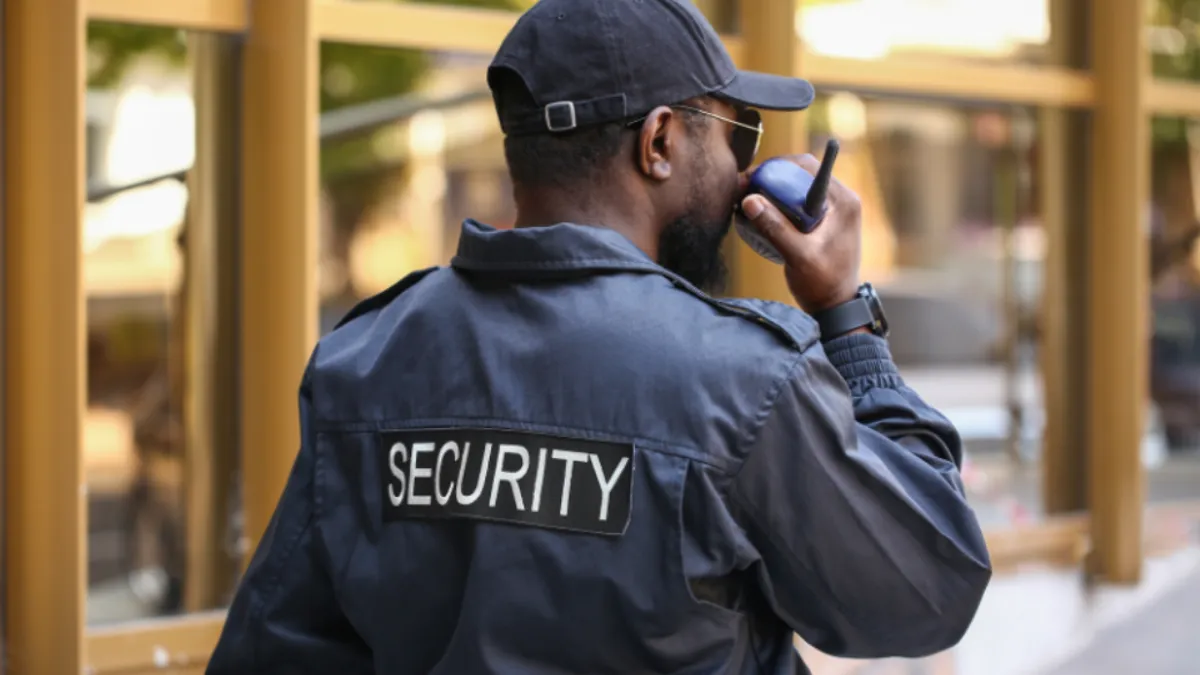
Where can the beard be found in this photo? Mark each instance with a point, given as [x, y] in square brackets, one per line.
[691, 246]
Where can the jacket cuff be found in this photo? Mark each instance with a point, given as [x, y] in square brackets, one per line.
[864, 362]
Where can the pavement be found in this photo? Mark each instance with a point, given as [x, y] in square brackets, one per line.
[1049, 622]
[1162, 639]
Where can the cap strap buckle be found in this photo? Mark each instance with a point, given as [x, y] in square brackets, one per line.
[555, 113]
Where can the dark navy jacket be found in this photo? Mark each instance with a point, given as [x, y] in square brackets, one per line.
[554, 456]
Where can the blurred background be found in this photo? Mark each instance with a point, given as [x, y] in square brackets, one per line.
[973, 130]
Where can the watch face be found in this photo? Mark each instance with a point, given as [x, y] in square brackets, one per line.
[880, 326]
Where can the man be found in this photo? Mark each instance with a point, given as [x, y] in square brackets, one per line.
[560, 455]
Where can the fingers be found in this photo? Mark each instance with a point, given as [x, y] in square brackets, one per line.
[842, 219]
[822, 266]
[772, 225]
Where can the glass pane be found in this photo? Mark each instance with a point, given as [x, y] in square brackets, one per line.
[397, 185]
[722, 14]
[1015, 31]
[1173, 38]
[954, 242]
[516, 5]
[1175, 302]
[143, 440]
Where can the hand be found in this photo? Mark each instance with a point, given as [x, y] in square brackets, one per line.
[822, 266]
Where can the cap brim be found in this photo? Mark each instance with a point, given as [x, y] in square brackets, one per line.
[769, 92]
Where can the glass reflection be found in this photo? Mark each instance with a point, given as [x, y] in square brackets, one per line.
[1175, 284]
[140, 132]
[1019, 31]
[397, 185]
[1173, 39]
[722, 14]
[954, 242]
[517, 5]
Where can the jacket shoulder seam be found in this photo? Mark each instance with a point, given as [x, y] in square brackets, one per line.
[744, 312]
[384, 297]
[793, 337]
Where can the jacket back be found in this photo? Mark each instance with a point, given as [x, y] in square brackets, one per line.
[527, 462]
[652, 374]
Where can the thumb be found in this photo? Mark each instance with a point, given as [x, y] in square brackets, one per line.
[770, 223]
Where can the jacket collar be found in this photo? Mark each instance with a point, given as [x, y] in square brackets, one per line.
[568, 249]
[540, 251]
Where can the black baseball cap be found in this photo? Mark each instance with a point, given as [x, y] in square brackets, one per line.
[590, 62]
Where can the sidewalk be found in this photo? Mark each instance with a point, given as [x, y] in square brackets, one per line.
[1046, 622]
[1161, 640]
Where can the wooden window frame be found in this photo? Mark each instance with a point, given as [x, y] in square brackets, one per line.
[210, 15]
[417, 26]
[44, 351]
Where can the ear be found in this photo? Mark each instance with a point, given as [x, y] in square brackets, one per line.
[655, 146]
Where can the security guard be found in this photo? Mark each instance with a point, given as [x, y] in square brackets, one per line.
[562, 454]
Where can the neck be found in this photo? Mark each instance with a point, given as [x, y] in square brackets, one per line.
[539, 208]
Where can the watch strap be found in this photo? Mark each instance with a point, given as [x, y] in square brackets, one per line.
[844, 318]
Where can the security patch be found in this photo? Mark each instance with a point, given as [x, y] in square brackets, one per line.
[522, 478]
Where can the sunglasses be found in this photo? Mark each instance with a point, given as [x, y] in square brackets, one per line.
[747, 132]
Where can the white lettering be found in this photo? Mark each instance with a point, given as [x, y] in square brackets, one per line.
[414, 473]
[570, 457]
[606, 484]
[537, 481]
[467, 500]
[397, 498]
[443, 499]
[510, 477]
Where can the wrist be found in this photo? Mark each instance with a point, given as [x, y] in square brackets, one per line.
[814, 306]
[861, 313]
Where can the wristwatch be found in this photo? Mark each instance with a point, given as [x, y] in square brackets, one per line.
[865, 310]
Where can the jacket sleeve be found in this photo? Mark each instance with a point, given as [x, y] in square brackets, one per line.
[285, 617]
[851, 495]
